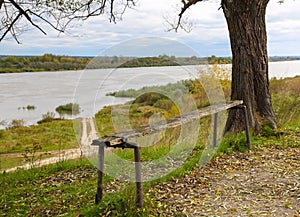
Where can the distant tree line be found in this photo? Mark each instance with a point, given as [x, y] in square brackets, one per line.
[50, 62]
[46, 62]
[283, 58]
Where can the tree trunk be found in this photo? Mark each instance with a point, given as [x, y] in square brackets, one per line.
[250, 82]
[1, 2]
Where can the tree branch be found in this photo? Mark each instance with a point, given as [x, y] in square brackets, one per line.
[47, 21]
[186, 5]
[11, 26]
[57, 15]
[25, 13]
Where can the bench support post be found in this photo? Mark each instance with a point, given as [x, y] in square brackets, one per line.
[215, 130]
[244, 108]
[247, 126]
[138, 177]
[138, 174]
[100, 170]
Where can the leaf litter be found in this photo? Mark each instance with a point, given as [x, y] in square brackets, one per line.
[263, 182]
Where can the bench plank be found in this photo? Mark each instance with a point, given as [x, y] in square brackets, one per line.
[170, 123]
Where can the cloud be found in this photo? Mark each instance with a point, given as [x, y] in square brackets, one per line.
[283, 27]
[209, 35]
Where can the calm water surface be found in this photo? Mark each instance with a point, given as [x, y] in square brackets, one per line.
[47, 90]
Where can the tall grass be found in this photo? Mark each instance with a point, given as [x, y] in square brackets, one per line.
[285, 99]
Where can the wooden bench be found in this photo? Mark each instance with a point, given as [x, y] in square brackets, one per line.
[120, 140]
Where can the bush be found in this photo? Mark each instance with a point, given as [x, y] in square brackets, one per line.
[70, 108]
[16, 123]
[31, 107]
[48, 117]
[165, 104]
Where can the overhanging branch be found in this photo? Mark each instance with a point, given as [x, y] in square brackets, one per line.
[186, 5]
[57, 15]
[11, 26]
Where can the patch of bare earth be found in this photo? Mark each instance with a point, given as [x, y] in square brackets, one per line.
[260, 183]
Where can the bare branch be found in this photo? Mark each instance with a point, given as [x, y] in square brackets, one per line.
[25, 13]
[42, 18]
[10, 27]
[112, 16]
[56, 13]
[186, 5]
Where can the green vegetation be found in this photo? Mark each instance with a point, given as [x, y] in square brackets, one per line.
[16, 123]
[180, 86]
[28, 107]
[70, 108]
[50, 62]
[150, 61]
[47, 62]
[54, 135]
[68, 188]
[284, 58]
[48, 117]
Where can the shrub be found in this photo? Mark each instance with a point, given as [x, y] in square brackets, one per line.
[16, 123]
[30, 107]
[48, 117]
[165, 104]
[70, 108]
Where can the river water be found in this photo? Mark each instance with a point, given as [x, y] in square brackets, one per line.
[47, 90]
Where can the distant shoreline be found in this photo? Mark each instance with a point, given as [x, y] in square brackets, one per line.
[50, 62]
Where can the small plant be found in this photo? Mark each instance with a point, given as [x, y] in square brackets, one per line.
[48, 117]
[16, 123]
[31, 154]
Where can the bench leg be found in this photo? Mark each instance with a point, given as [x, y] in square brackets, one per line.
[247, 127]
[99, 193]
[215, 130]
[244, 108]
[138, 177]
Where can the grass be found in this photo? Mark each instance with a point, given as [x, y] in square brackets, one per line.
[54, 135]
[68, 188]
[43, 191]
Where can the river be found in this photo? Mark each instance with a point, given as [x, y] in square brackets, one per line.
[47, 90]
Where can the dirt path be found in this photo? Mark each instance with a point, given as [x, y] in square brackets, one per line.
[261, 183]
[66, 154]
[88, 134]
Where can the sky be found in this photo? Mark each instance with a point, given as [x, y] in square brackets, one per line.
[209, 35]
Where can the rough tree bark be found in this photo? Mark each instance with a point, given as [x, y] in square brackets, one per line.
[250, 82]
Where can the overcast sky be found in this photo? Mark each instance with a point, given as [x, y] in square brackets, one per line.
[208, 37]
